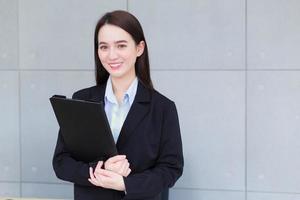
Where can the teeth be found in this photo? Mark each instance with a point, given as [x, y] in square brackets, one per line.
[115, 65]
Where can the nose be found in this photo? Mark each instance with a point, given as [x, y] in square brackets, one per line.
[112, 54]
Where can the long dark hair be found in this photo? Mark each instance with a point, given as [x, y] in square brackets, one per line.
[131, 25]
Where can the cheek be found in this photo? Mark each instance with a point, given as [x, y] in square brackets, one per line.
[130, 56]
[133, 59]
[101, 56]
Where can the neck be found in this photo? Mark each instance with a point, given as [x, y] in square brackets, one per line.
[120, 86]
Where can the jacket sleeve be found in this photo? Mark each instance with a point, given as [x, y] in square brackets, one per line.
[168, 167]
[66, 167]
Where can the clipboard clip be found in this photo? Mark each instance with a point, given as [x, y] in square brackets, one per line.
[59, 96]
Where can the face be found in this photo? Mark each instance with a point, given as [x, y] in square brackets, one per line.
[118, 51]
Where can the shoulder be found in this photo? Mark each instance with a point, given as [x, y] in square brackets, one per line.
[164, 108]
[161, 100]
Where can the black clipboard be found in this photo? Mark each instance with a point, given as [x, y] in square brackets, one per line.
[84, 128]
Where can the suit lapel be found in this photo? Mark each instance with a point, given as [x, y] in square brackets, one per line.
[137, 112]
[97, 93]
[139, 108]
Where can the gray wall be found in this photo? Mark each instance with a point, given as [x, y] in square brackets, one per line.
[232, 67]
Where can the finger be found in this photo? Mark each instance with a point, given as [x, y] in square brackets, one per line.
[92, 178]
[91, 173]
[99, 165]
[125, 162]
[106, 173]
[124, 168]
[114, 162]
[109, 179]
[104, 181]
[116, 158]
[92, 182]
[128, 172]
[119, 164]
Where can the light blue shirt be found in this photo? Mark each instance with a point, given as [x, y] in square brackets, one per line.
[116, 113]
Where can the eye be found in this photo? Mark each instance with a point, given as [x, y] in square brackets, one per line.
[103, 47]
[122, 46]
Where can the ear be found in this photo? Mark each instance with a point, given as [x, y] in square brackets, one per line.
[140, 48]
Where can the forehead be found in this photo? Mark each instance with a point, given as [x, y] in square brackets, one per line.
[110, 33]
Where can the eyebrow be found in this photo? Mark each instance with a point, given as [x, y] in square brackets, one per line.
[117, 42]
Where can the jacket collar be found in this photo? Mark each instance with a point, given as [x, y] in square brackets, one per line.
[136, 114]
[142, 95]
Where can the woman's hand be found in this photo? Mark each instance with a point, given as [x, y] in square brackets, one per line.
[106, 179]
[118, 164]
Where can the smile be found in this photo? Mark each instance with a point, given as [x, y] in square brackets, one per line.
[115, 65]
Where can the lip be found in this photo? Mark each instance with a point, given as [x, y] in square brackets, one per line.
[115, 66]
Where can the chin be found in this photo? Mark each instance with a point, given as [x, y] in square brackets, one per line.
[116, 75]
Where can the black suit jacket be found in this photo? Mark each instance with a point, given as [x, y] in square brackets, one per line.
[150, 138]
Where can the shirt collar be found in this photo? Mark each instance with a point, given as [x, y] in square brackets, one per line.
[129, 94]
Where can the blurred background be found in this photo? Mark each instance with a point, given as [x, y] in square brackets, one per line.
[232, 67]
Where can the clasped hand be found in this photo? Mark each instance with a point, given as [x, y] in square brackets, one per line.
[111, 177]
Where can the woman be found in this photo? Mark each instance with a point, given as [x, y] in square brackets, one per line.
[144, 123]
